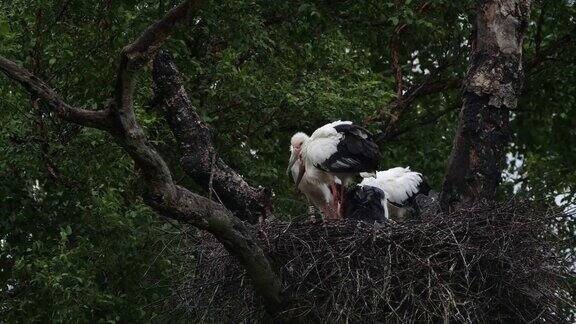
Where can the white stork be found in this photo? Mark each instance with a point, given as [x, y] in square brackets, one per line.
[339, 150]
[317, 194]
[401, 186]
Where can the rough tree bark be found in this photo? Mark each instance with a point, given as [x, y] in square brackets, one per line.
[161, 192]
[491, 90]
[199, 158]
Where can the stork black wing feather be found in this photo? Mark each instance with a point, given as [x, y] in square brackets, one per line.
[423, 189]
[354, 129]
[355, 153]
[364, 203]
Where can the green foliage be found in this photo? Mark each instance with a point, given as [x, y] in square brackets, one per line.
[77, 244]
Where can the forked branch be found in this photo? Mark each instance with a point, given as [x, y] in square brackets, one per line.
[199, 158]
[161, 193]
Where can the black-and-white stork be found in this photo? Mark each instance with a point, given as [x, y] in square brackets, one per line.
[401, 186]
[339, 150]
[318, 194]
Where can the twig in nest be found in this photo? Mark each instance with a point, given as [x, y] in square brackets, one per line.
[487, 263]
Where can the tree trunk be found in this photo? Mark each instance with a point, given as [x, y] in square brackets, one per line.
[491, 90]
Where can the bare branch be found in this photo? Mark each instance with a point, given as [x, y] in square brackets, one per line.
[239, 241]
[395, 48]
[129, 134]
[143, 48]
[396, 65]
[174, 201]
[426, 120]
[196, 146]
[138, 53]
[431, 86]
[553, 49]
[399, 107]
[97, 119]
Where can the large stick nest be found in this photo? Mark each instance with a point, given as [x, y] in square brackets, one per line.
[491, 262]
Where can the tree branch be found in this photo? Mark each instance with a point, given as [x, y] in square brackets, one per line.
[144, 48]
[161, 193]
[401, 105]
[175, 201]
[127, 131]
[36, 87]
[539, 27]
[396, 108]
[426, 120]
[430, 86]
[544, 54]
[395, 48]
[196, 146]
[395, 64]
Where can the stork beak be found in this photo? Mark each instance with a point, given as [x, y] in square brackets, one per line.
[291, 162]
[300, 174]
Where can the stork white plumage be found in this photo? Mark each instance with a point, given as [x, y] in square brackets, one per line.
[400, 185]
[339, 150]
[318, 194]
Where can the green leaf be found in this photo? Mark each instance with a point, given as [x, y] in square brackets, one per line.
[4, 28]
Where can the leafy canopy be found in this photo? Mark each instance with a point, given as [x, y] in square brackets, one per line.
[76, 241]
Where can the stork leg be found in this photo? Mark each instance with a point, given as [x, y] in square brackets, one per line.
[327, 211]
[386, 212]
[335, 196]
[311, 214]
[341, 209]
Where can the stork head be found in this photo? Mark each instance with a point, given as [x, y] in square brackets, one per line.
[296, 143]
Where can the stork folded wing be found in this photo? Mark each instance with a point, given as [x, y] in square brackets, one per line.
[355, 152]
